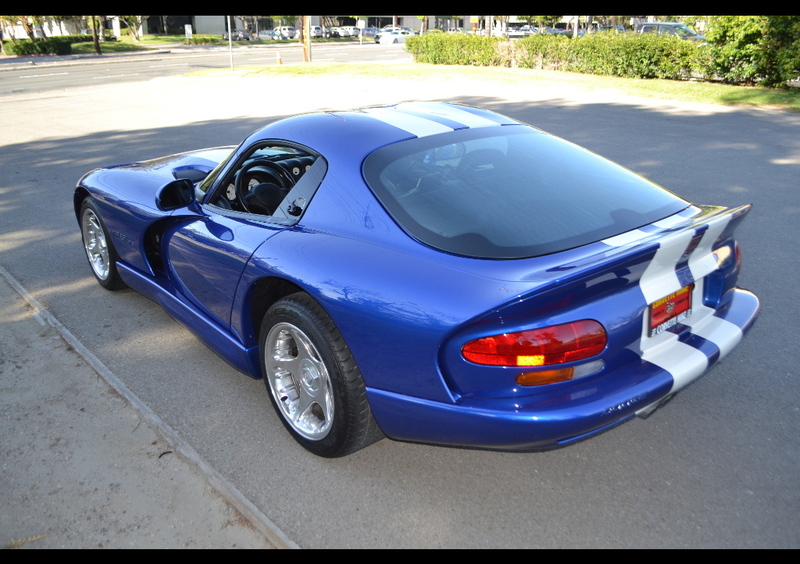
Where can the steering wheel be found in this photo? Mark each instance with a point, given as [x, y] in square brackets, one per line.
[255, 173]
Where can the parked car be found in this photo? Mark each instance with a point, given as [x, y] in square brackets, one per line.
[286, 32]
[237, 35]
[317, 31]
[350, 31]
[397, 36]
[448, 276]
[391, 29]
[679, 30]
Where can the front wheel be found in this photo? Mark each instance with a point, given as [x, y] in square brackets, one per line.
[99, 251]
[313, 380]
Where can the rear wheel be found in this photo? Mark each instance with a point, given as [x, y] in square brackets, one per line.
[99, 250]
[313, 380]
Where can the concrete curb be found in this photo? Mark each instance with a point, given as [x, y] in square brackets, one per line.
[260, 522]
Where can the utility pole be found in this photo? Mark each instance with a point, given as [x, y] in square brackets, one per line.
[306, 38]
[230, 42]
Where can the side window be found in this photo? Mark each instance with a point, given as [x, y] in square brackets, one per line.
[260, 181]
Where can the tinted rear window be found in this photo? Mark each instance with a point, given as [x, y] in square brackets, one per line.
[510, 192]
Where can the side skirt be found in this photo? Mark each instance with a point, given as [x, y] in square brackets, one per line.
[211, 333]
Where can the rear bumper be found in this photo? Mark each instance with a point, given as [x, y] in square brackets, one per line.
[578, 410]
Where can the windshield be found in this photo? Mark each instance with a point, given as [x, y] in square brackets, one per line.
[684, 31]
[510, 192]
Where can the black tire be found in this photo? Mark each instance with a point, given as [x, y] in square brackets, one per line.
[99, 249]
[313, 381]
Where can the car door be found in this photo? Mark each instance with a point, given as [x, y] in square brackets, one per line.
[207, 253]
[206, 257]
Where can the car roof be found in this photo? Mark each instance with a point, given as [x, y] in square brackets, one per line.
[367, 129]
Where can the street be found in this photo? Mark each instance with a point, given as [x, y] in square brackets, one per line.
[41, 73]
[714, 468]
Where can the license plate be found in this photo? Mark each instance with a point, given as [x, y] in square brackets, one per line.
[670, 310]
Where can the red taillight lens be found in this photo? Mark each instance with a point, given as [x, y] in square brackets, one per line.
[539, 347]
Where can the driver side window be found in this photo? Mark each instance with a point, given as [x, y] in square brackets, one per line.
[260, 182]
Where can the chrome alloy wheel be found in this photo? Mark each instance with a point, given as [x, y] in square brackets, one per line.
[94, 241]
[299, 381]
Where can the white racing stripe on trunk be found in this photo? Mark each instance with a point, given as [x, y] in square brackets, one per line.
[677, 218]
[625, 238]
[415, 125]
[660, 279]
[703, 262]
[724, 334]
[636, 234]
[683, 362]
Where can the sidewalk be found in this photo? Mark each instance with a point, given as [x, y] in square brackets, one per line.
[85, 466]
[9, 62]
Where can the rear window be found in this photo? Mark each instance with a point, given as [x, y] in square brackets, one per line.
[510, 192]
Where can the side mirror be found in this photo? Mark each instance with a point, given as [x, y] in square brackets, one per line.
[175, 195]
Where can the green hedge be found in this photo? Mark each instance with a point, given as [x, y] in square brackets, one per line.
[49, 46]
[455, 49]
[628, 55]
[60, 45]
[202, 40]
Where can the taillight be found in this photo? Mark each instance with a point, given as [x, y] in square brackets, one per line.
[556, 344]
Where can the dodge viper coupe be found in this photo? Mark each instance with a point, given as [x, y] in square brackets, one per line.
[428, 272]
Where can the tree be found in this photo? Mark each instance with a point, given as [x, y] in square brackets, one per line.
[540, 21]
[26, 22]
[134, 24]
[9, 22]
[95, 40]
[283, 20]
[754, 49]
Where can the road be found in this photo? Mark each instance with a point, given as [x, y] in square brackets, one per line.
[716, 467]
[90, 70]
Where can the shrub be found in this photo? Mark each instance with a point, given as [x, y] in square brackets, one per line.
[754, 49]
[202, 40]
[455, 49]
[627, 55]
[543, 51]
[49, 46]
[741, 49]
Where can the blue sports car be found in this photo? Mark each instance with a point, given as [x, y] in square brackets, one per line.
[428, 272]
